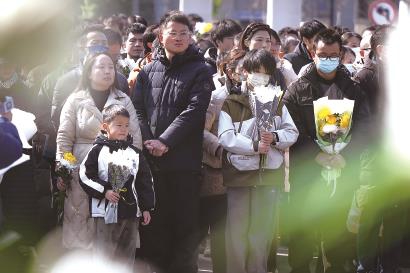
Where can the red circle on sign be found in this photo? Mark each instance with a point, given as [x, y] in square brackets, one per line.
[385, 6]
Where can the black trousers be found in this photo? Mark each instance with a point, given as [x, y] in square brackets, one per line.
[392, 250]
[319, 223]
[170, 242]
[213, 218]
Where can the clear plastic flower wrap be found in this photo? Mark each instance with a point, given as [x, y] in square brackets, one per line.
[118, 174]
[333, 119]
[264, 102]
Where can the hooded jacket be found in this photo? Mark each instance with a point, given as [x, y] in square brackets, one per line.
[236, 138]
[171, 99]
[95, 177]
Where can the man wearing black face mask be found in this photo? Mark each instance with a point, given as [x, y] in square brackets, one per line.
[325, 77]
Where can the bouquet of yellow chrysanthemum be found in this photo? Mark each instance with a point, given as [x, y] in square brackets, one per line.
[333, 120]
[64, 169]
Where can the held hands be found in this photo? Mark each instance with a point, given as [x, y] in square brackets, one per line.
[267, 137]
[112, 196]
[156, 147]
[146, 218]
[263, 148]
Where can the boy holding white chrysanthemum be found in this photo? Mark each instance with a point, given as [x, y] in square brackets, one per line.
[118, 180]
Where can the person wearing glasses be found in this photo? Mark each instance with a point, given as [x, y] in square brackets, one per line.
[326, 76]
[171, 97]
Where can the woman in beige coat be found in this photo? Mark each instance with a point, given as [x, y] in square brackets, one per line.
[80, 123]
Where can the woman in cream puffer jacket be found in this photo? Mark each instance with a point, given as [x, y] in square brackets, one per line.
[80, 123]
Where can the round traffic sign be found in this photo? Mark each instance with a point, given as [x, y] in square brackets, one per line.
[382, 12]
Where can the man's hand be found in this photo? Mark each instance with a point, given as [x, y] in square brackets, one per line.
[146, 218]
[156, 147]
[263, 148]
[267, 137]
[331, 161]
[112, 196]
[61, 186]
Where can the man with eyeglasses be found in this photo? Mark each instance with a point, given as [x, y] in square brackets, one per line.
[171, 96]
[308, 199]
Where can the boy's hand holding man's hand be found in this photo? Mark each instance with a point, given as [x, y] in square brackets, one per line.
[61, 186]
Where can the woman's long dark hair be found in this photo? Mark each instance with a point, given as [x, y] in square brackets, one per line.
[231, 60]
[85, 82]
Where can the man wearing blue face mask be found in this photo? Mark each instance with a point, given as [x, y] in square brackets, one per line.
[317, 213]
[95, 42]
[92, 42]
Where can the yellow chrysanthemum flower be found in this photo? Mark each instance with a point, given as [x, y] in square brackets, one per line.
[331, 119]
[70, 157]
[345, 120]
[321, 133]
[208, 27]
[323, 113]
[203, 28]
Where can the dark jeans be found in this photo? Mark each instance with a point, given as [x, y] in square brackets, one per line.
[392, 250]
[170, 241]
[318, 218]
[368, 240]
[213, 218]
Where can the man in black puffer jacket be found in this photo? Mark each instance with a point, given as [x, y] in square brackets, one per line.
[171, 97]
[302, 56]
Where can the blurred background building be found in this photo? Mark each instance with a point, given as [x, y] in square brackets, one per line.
[348, 13]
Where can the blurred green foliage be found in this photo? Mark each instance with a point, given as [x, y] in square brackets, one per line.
[217, 4]
[93, 9]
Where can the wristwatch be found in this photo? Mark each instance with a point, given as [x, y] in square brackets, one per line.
[275, 138]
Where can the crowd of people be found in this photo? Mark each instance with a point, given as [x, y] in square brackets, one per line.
[160, 122]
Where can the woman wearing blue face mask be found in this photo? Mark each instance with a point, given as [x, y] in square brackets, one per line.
[252, 192]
